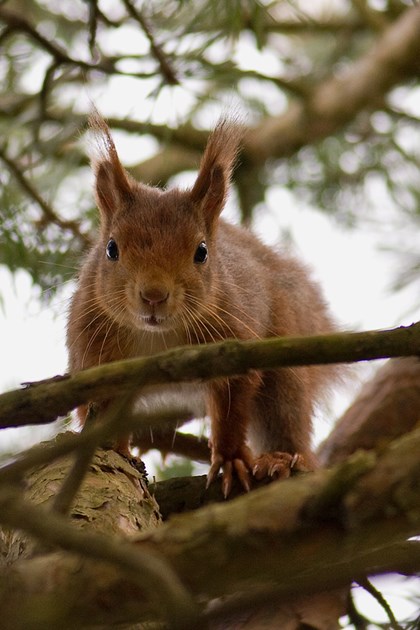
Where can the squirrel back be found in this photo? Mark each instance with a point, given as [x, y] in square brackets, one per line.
[167, 271]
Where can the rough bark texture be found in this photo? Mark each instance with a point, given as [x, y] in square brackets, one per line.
[311, 535]
[113, 500]
[314, 533]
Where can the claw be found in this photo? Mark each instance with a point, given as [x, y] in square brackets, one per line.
[295, 459]
[279, 470]
[214, 470]
[278, 465]
[227, 479]
[243, 474]
[230, 467]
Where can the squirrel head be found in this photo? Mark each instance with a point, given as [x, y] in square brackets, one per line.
[157, 248]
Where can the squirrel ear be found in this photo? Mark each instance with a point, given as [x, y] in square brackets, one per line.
[212, 183]
[112, 183]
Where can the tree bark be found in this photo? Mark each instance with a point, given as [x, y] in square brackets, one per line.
[387, 406]
[279, 557]
[306, 535]
[42, 402]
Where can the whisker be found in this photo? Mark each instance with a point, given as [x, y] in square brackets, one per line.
[55, 264]
[54, 287]
[90, 344]
[191, 323]
[104, 341]
[272, 311]
[212, 310]
[99, 314]
[208, 327]
[197, 323]
[93, 305]
[174, 435]
[186, 329]
[164, 339]
[109, 328]
[242, 311]
[189, 326]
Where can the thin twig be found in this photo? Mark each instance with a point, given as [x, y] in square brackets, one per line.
[16, 23]
[49, 213]
[166, 69]
[171, 441]
[367, 585]
[44, 92]
[93, 24]
[92, 436]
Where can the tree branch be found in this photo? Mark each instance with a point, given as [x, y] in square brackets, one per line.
[17, 23]
[145, 567]
[100, 434]
[386, 407]
[172, 441]
[42, 402]
[367, 492]
[342, 524]
[49, 213]
[335, 102]
[167, 71]
[332, 104]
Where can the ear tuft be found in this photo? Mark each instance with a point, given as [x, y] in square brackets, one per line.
[212, 184]
[112, 183]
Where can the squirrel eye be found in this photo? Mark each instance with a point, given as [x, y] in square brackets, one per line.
[112, 250]
[200, 255]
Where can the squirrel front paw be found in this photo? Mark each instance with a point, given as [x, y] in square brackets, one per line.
[278, 465]
[238, 464]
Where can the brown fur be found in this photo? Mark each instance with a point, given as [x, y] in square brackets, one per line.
[155, 297]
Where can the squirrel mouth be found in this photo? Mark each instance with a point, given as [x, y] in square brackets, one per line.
[153, 322]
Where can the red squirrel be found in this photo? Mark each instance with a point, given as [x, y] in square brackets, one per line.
[166, 270]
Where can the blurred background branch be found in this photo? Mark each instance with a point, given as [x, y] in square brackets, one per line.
[326, 86]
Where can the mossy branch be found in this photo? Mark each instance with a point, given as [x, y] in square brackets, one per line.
[43, 401]
[309, 534]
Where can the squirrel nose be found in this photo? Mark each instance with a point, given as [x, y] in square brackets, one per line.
[154, 295]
